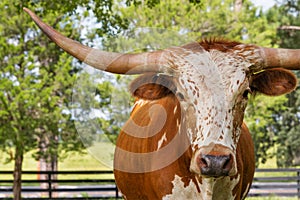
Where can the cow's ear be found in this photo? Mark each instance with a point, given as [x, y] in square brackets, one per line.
[152, 86]
[274, 82]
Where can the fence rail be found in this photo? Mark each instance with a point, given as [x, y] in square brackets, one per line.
[101, 184]
[96, 186]
[276, 182]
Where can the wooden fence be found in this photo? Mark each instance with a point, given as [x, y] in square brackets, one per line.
[101, 184]
[276, 182]
[92, 185]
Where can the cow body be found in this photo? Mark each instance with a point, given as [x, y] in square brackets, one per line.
[176, 181]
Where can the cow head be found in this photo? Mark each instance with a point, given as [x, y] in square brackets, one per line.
[211, 79]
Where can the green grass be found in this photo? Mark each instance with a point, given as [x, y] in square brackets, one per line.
[271, 198]
[73, 161]
[271, 164]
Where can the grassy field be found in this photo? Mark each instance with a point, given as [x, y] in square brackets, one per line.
[74, 161]
[271, 198]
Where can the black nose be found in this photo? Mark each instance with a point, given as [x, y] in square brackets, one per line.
[215, 165]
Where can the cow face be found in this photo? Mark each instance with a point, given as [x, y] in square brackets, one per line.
[212, 85]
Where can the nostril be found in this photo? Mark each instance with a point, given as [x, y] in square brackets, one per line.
[215, 165]
[228, 163]
[203, 162]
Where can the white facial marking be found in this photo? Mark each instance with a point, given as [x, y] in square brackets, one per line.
[211, 82]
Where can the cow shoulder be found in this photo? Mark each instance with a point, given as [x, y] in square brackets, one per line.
[152, 86]
[274, 82]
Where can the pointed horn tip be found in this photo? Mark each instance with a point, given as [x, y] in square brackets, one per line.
[27, 10]
[32, 15]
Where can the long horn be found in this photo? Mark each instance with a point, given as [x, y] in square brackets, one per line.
[285, 58]
[119, 63]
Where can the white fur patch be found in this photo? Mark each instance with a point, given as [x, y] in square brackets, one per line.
[140, 102]
[180, 192]
[175, 109]
[162, 140]
[218, 189]
[211, 189]
[246, 191]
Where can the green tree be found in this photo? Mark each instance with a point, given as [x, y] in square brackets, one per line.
[210, 18]
[286, 16]
[36, 79]
[35, 86]
[262, 123]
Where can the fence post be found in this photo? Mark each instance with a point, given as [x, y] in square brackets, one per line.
[117, 192]
[298, 183]
[49, 184]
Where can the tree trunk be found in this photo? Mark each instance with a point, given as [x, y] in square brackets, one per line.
[54, 167]
[48, 162]
[238, 4]
[17, 187]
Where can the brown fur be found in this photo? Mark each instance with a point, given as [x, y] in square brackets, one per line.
[156, 184]
[274, 82]
[218, 44]
[246, 162]
[152, 185]
[152, 86]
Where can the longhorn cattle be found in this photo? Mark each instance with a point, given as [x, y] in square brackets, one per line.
[185, 138]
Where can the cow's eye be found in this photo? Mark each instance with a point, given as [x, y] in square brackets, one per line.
[246, 92]
[180, 95]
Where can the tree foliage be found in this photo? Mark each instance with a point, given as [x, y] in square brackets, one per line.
[287, 13]
[36, 79]
[262, 123]
[211, 18]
